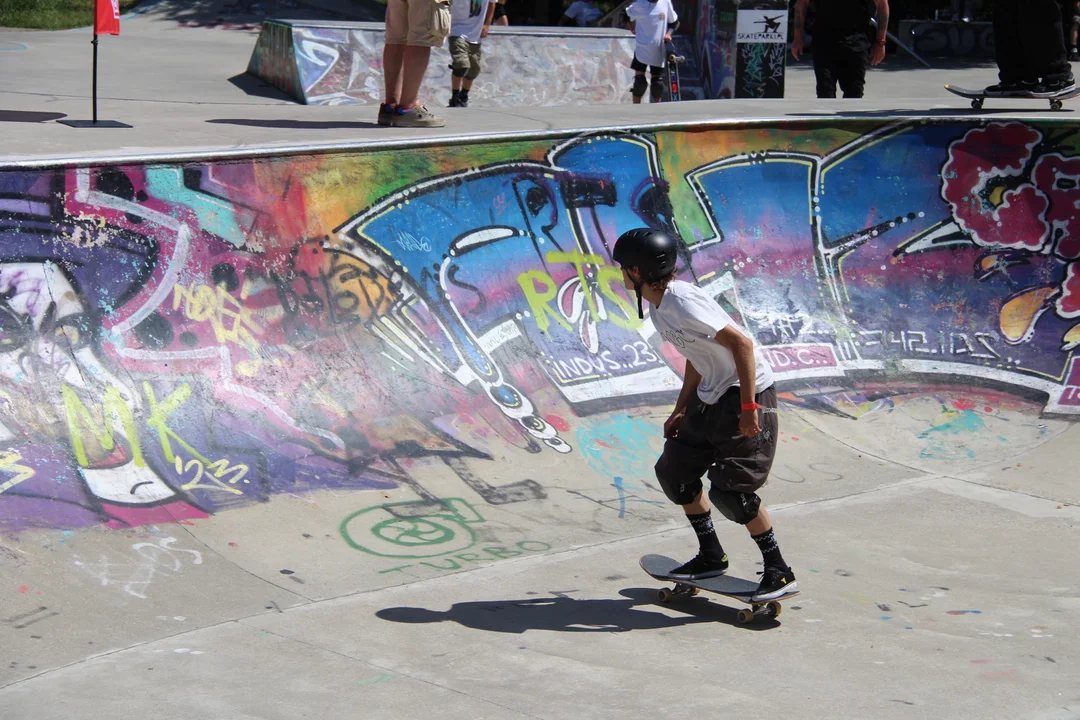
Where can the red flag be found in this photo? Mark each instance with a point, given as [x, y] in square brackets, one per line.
[106, 17]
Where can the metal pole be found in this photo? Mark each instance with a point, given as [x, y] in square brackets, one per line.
[95, 43]
[905, 47]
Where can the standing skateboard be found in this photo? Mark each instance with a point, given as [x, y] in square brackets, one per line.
[978, 96]
[658, 566]
[673, 61]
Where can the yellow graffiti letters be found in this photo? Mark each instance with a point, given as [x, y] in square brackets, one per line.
[9, 462]
[115, 411]
[230, 320]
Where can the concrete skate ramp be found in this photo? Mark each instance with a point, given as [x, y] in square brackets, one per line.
[375, 428]
[340, 63]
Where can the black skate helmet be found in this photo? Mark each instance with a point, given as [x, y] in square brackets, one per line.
[652, 252]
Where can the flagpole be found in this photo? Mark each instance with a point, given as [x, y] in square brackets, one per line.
[95, 43]
[110, 25]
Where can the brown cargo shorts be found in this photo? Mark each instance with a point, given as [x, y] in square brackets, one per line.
[464, 57]
[425, 23]
[709, 442]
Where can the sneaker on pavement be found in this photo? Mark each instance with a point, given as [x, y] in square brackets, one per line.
[775, 582]
[386, 114]
[417, 117]
[701, 567]
[1074, 54]
[1001, 89]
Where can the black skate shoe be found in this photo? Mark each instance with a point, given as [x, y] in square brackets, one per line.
[701, 567]
[775, 582]
[1014, 89]
[1054, 86]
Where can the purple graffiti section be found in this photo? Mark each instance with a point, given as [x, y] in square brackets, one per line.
[177, 340]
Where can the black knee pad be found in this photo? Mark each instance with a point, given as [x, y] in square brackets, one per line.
[640, 85]
[657, 87]
[673, 482]
[459, 72]
[738, 507]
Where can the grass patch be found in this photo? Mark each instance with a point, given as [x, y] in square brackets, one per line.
[52, 14]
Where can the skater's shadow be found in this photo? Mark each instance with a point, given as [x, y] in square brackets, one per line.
[562, 613]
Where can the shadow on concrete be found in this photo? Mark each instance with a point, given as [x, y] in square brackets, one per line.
[929, 112]
[249, 14]
[29, 116]
[898, 60]
[296, 124]
[562, 613]
[256, 87]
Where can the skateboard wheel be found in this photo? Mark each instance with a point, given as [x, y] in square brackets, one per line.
[774, 609]
[1055, 104]
[746, 616]
[977, 103]
[664, 595]
[694, 592]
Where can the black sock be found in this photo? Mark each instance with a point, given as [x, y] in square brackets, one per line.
[464, 94]
[455, 94]
[770, 551]
[706, 535]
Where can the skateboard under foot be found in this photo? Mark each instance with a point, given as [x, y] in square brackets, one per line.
[659, 567]
[977, 97]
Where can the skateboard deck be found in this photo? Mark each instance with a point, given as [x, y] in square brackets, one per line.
[977, 97]
[658, 567]
[674, 93]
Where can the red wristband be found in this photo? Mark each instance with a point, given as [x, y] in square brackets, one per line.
[751, 406]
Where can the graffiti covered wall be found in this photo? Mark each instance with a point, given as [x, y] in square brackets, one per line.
[177, 340]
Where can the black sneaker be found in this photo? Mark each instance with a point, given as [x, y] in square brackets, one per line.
[775, 582]
[701, 567]
[1053, 87]
[1021, 88]
[1074, 54]
[455, 102]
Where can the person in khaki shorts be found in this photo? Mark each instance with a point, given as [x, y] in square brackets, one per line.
[724, 424]
[413, 27]
[470, 23]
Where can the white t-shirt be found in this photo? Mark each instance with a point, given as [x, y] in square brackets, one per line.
[650, 25]
[467, 18]
[689, 319]
[584, 12]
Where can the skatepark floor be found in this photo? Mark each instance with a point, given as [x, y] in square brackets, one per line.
[936, 583]
[47, 77]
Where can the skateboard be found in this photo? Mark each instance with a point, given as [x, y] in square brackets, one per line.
[658, 567]
[673, 76]
[977, 97]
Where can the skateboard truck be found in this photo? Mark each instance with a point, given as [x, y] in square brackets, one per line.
[769, 608]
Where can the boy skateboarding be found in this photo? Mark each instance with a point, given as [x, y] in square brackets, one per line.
[724, 423]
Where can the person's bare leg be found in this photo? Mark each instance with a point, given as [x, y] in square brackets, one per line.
[412, 76]
[700, 505]
[393, 58]
[456, 82]
[760, 524]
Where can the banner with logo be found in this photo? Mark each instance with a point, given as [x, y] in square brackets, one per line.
[106, 17]
[761, 51]
[762, 26]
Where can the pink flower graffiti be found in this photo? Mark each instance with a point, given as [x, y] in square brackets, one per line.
[1005, 194]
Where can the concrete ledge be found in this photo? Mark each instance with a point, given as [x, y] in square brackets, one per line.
[340, 63]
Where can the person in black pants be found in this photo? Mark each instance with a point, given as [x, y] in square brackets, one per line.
[1029, 43]
[844, 42]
